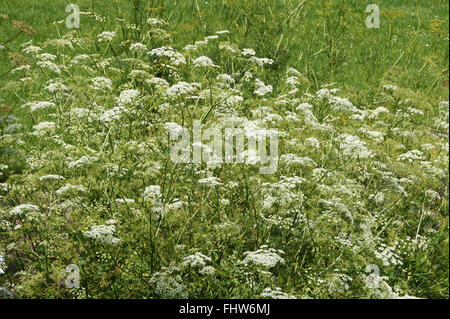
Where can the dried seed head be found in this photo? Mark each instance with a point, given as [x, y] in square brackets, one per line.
[18, 59]
[24, 27]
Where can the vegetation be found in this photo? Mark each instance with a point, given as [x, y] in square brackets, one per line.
[358, 206]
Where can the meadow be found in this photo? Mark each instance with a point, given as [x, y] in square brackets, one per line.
[93, 206]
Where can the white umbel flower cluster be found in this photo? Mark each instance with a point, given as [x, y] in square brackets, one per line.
[205, 62]
[176, 58]
[276, 294]
[197, 260]
[153, 194]
[103, 233]
[351, 146]
[264, 256]
[168, 284]
[41, 106]
[101, 83]
[23, 209]
[106, 36]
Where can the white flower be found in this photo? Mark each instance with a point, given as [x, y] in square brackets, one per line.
[168, 284]
[290, 159]
[353, 147]
[197, 260]
[51, 177]
[225, 78]
[211, 37]
[208, 271]
[153, 194]
[411, 156]
[190, 47]
[312, 142]
[55, 86]
[210, 181]
[107, 36]
[138, 47]
[41, 106]
[182, 88]
[24, 208]
[246, 52]
[156, 22]
[264, 256]
[44, 127]
[262, 88]
[69, 188]
[49, 66]
[103, 233]
[261, 61]
[173, 128]
[389, 87]
[128, 97]
[175, 58]
[83, 161]
[111, 115]
[204, 61]
[47, 56]
[101, 83]
[276, 294]
[32, 49]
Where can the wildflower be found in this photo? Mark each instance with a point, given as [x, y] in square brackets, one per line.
[23, 209]
[107, 36]
[197, 260]
[262, 88]
[312, 142]
[175, 58]
[168, 284]
[158, 82]
[101, 83]
[82, 162]
[138, 48]
[210, 181]
[103, 234]
[51, 177]
[41, 106]
[411, 156]
[389, 87]
[261, 61]
[56, 86]
[128, 97]
[264, 256]
[225, 78]
[182, 88]
[208, 271]
[156, 22]
[353, 147]
[69, 188]
[276, 294]
[43, 128]
[153, 194]
[32, 49]
[204, 61]
[112, 114]
[248, 52]
[49, 66]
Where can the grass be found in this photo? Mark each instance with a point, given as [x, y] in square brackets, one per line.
[358, 207]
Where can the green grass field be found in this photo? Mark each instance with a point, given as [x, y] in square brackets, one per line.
[357, 206]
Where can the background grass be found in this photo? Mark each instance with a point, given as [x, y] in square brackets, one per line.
[326, 40]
